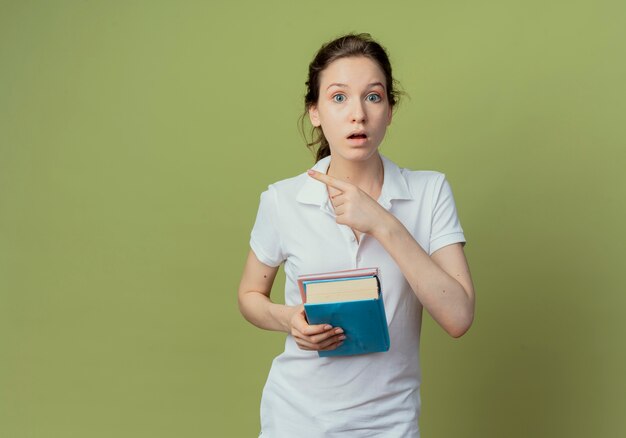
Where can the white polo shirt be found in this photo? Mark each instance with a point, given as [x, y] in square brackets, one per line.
[371, 395]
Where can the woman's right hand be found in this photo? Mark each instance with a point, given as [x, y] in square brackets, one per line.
[314, 337]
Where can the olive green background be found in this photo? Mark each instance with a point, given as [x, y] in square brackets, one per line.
[137, 136]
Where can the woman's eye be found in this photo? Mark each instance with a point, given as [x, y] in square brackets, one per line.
[339, 97]
[374, 98]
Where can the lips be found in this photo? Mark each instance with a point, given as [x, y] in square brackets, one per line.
[358, 134]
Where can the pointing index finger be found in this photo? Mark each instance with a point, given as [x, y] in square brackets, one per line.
[329, 180]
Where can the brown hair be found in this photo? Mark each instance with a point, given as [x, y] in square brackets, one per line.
[350, 45]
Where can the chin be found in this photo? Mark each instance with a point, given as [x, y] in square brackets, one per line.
[362, 153]
[354, 153]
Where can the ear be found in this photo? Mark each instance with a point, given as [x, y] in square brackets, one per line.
[390, 116]
[314, 116]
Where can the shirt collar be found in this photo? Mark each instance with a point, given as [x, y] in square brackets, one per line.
[394, 185]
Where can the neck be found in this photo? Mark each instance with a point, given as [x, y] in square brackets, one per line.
[367, 175]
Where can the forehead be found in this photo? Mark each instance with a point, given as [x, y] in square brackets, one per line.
[353, 71]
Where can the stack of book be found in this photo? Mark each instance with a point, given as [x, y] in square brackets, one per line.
[351, 300]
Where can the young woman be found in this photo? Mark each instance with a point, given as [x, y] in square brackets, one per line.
[355, 208]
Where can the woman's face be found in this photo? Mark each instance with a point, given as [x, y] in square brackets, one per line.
[352, 99]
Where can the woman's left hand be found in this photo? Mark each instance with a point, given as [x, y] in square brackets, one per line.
[353, 207]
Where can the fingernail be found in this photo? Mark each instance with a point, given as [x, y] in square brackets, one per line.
[342, 337]
[339, 331]
[328, 327]
[310, 172]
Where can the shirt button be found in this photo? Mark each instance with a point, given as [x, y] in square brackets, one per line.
[358, 259]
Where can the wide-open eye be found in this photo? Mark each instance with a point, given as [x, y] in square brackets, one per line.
[374, 97]
[343, 98]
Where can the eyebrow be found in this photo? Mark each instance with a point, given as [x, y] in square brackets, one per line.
[373, 84]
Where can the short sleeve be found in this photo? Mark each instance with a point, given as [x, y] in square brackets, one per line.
[264, 238]
[446, 228]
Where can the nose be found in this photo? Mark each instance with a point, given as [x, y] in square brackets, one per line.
[358, 112]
